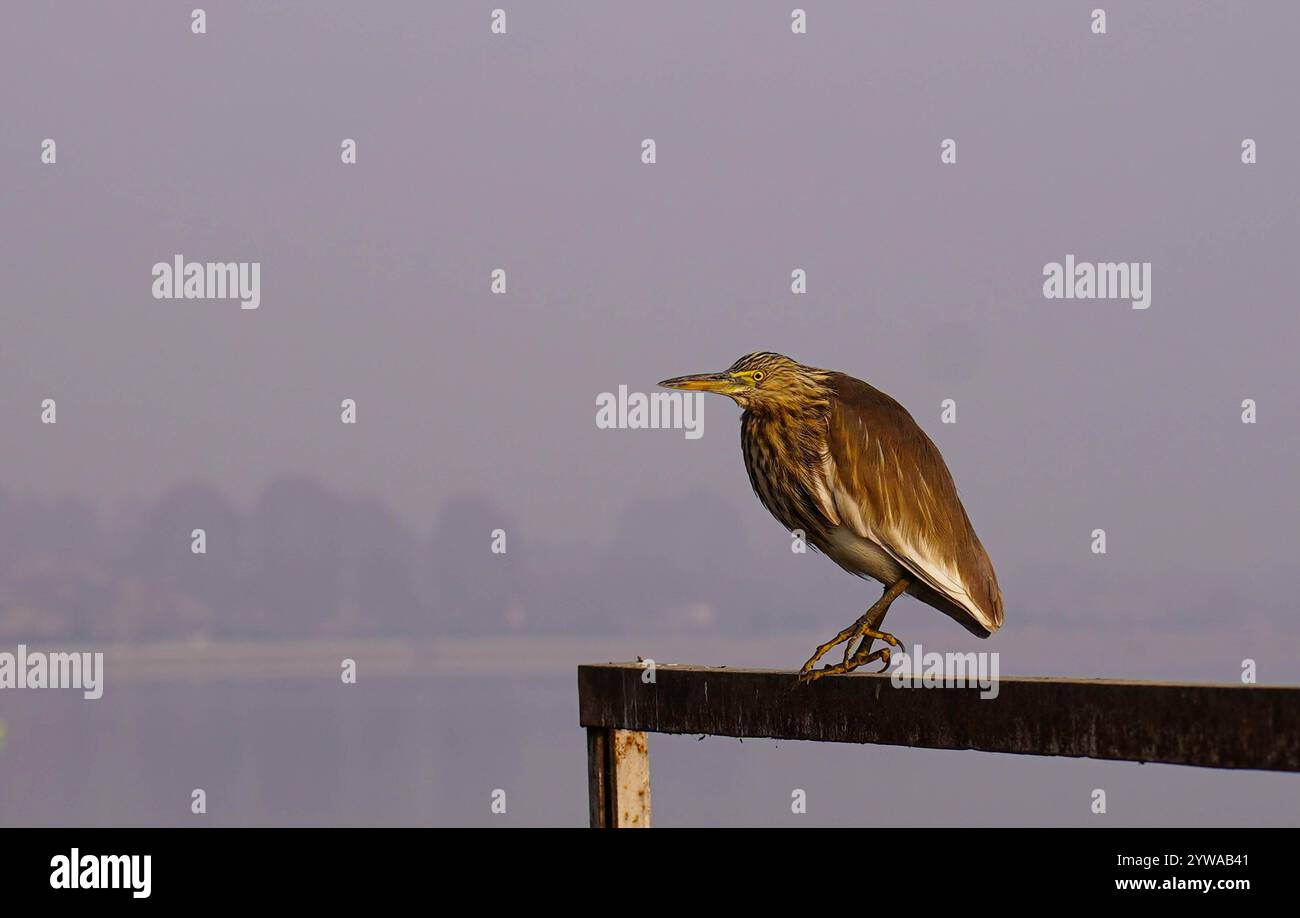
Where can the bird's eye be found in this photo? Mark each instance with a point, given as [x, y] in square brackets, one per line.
[758, 375]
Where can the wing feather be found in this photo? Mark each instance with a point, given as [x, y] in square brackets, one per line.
[890, 484]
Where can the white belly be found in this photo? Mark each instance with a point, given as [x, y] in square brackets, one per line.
[862, 556]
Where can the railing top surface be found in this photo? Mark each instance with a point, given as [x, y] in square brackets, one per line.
[640, 666]
[1215, 725]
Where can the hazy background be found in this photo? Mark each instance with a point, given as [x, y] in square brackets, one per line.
[476, 411]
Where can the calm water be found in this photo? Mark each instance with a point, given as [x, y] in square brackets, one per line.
[430, 750]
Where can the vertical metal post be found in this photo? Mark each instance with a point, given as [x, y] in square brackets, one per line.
[598, 776]
[618, 779]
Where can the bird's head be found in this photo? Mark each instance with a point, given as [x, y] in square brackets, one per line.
[759, 382]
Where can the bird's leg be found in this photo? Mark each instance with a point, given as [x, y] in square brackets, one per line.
[870, 622]
[851, 633]
[865, 627]
[868, 626]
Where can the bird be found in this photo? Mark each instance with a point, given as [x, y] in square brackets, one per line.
[847, 465]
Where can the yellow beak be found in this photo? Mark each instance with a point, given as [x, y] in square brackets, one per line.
[722, 383]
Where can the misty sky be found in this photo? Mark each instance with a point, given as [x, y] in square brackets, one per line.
[774, 152]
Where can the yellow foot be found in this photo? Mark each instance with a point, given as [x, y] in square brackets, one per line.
[808, 675]
[824, 649]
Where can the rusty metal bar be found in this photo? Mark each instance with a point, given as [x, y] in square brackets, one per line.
[1215, 726]
[618, 778]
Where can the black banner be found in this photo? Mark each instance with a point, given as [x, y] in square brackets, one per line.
[336, 866]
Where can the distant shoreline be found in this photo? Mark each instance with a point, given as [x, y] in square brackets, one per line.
[202, 659]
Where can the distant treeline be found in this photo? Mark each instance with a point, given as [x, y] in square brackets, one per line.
[307, 561]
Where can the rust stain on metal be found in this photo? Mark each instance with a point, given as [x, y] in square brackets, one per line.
[632, 779]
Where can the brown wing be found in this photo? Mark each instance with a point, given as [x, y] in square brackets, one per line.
[890, 485]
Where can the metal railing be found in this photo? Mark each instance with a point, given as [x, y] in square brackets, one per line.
[1215, 726]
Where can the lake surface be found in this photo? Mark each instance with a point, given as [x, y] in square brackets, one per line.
[430, 750]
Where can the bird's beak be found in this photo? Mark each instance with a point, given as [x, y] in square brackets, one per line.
[722, 383]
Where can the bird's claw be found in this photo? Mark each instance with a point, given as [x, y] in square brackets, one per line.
[808, 678]
[808, 674]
